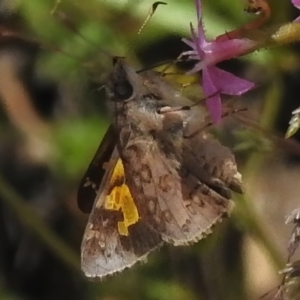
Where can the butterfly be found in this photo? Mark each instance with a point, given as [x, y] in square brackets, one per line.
[151, 182]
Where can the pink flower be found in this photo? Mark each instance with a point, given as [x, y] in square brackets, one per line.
[214, 80]
[296, 3]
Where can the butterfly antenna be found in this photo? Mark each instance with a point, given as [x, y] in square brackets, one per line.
[10, 33]
[225, 114]
[150, 14]
[70, 25]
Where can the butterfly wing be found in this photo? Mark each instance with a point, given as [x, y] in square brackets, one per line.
[109, 243]
[181, 186]
[90, 182]
[184, 198]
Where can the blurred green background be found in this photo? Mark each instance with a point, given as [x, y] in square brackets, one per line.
[53, 117]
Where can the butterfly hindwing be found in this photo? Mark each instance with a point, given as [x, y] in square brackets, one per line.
[178, 192]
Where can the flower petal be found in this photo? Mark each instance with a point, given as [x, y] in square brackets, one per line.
[214, 99]
[219, 51]
[198, 67]
[215, 107]
[189, 43]
[196, 43]
[199, 10]
[208, 53]
[296, 3]
[228, 83]
[201, 35]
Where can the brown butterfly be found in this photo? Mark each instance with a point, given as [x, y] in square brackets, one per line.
[157, 185]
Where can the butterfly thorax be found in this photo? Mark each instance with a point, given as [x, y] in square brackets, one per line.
[140, 119]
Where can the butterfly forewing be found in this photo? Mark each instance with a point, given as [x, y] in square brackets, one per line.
[91, 180]
[105, 248]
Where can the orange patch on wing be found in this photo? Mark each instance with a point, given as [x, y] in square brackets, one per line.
[120, 199]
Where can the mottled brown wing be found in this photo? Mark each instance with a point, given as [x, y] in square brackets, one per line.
[182, 186]
[92, 178]
[104, 251]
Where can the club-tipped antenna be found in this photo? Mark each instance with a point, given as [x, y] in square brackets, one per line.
[68, 23]
[150, 14]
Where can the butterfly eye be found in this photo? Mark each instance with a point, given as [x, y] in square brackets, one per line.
[123, 90]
